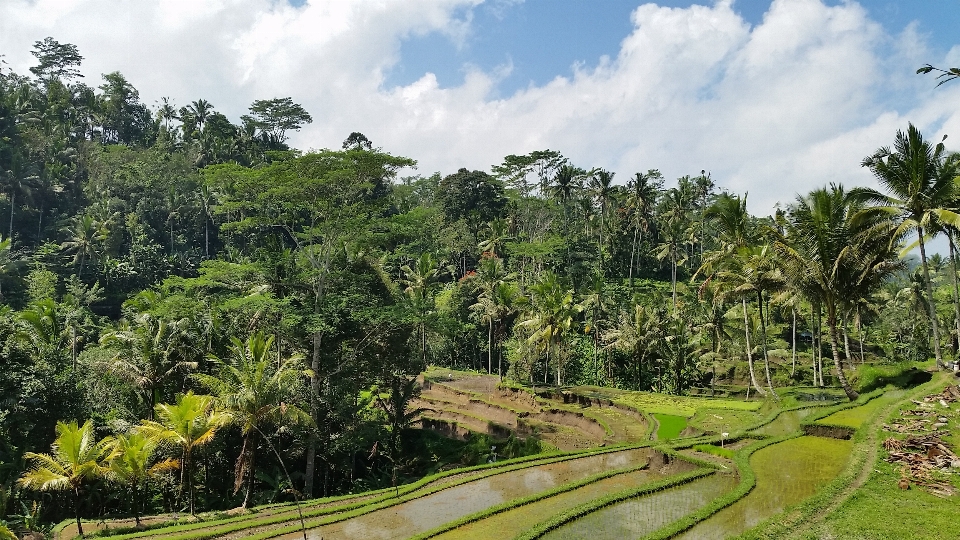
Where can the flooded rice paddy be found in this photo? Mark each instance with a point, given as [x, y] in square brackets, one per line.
[787, 473]
[786, 423]
[420, 515]
[637, 517]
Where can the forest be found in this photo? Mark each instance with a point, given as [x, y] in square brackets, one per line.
[196, 315]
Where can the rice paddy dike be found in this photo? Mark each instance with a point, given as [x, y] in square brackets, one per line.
[620, 464]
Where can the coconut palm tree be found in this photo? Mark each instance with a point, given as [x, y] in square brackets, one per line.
[76, 458]
[490, 274]
[754, 272]
[420, 280]
[148, 352]
[643, 191]
[189, 424]
[832, 249]
[129, 464]
[255, 393]
[550, 318]
[922, 184]
[85, 236]
[639, 334]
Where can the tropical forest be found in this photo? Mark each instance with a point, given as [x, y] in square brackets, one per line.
[208, 333]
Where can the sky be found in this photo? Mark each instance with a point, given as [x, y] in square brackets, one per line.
[773, 98]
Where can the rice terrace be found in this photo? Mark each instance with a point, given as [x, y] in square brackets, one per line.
[605, 270]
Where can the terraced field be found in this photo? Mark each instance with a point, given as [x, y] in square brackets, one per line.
[617, 479]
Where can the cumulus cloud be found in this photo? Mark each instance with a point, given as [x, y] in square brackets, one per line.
[783, 106]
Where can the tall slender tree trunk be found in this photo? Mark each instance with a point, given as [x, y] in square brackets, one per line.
[311, 456]
[763, 340]
[251, 458]
[846, 340]
[633, 253]
[13, 195]
[489, 347]
[956, 289]
[860, 336]
[793, 367]
[746, 331]
[932, 308]
[820, 346]
[832, 328]
[76, 510]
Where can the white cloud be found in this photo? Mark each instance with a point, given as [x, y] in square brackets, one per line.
[784, 106]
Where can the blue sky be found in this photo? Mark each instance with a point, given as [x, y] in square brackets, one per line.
[772, 97]
[544, 38]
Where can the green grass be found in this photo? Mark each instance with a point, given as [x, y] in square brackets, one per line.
[724, 420]
[670, 426]
[872, 516]
[715, 450]
[899, 375]
[854, 417]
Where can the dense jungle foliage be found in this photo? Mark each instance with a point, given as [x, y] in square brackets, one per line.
[185, 300]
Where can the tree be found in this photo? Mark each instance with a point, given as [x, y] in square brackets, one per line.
[76, 457]
[277, 116]
[753, 272]
[86, 236]
[945, 75]
[200, 110]
[922, 182]
[357, 141]
[638, 333]
[644, 189]
[187, 425]
[550, 318]
[57, 60]
[129, 464]
[148, 352]
[490, 275]
[602, 189]
[831, 246]
[255, 394]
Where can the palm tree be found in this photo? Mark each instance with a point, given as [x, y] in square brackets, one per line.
[550, 318]
[255, 394]
[420, 279]
[42, 328]
[187, 425]
[148, 352]
[638, 333]
[76, 457]
[8, 262]
[602, 189]
[594, 303]
[832, 249]
[643, 189]
[206, 199]
[490, 274]
[922, 183]
[753, 273]
[200, 110]
[129, 464]
[85, 236]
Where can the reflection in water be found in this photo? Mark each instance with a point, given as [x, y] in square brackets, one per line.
[787, 473]
[643, 515]
[420, 515]
[513, 522]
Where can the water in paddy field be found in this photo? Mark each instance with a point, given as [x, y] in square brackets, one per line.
[518, 520]
[429, 512]
[640, 516]
[786, 423]
[787, 473]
